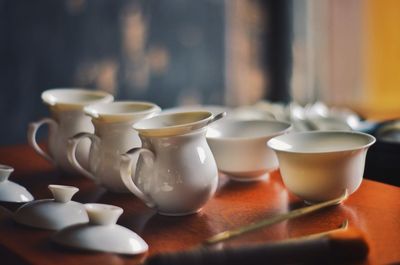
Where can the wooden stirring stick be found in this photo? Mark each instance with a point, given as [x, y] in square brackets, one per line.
[304, 249]
[274, 219]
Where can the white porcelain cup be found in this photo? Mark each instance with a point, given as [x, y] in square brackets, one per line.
[320, 165]
[67, 119]
[176, 173]
[113, 136]
[240, 147]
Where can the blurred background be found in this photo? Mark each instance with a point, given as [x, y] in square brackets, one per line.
[214, 52]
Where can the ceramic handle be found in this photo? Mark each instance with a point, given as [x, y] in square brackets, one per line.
[71, 153]
[126, 173]
[32, 130]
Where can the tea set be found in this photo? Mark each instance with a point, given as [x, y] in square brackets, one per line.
[171, 160]
[113, 136]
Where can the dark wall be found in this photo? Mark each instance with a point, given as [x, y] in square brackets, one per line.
[165, 51]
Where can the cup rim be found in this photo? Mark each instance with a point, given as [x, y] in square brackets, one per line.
[48, 97]
[91, 111]
[249, 138]
[164, 131]
[371, 141]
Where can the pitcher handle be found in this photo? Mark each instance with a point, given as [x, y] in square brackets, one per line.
[71, 152]
[126, 173]
[32, 130]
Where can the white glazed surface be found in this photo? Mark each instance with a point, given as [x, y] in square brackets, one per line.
[176, 173]
[68, 119]
[102, 233]
[318, 166]
[13, 192]
[50, 213]
[240, 148]
[113, 136]
[183, 176]
[10, 191]
[69, 123]
[180, 176]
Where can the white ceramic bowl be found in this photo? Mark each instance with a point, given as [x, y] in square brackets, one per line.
[319, 165]
[240, 147]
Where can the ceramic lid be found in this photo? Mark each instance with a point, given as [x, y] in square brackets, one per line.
[74, 98]
[10, 191]
[54, 213]
[121, 111]
[102, 233]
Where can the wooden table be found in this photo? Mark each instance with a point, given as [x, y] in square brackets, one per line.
[374, 209]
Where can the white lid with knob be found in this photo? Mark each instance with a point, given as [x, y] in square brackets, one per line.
[53, 214]
[102, 233]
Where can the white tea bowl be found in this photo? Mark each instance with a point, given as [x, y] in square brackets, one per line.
[240, 147]
[319, 165]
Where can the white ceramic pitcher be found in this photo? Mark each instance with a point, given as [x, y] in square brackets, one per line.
[67, 119]
[113, 136]
[176, 173]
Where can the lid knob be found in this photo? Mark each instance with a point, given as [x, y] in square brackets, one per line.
[5, 172]
[103, 214]
[62, 193]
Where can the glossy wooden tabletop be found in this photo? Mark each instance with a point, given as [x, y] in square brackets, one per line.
[374, 209]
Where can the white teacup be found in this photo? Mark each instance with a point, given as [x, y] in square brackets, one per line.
[240, 147]
[113, 136]
[176, 174]
[67, 119]
[320, 165]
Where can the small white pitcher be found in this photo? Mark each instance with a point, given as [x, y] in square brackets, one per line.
[113, 136]
[176, 173]
[67, 119]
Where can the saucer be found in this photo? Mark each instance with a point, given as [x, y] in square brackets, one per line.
[11, 191]
[53, 214]
[102, 233]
